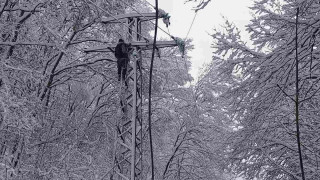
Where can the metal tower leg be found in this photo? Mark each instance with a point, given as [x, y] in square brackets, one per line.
[128, 146]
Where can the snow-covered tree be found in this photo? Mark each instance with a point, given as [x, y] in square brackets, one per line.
[59, 104]
[256, 87]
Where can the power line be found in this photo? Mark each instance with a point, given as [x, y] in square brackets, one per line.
[168, 30]
[145, 17]
[150, 4]
[118, 20]
[150, 89]
[194, 17]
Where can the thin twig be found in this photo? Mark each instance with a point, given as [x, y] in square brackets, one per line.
[285, 93]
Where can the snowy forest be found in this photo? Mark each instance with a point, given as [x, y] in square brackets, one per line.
[59, 104]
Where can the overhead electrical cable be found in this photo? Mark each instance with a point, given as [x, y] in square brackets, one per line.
[145, 17]
[118, 20]
[150, 90]
[194, 17]
[150, 4]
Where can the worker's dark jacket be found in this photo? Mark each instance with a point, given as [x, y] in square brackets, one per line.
[121, 51]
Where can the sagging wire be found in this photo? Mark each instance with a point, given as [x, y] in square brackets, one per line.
[194, 18]
[150, 90]
[165, 15]
[118, 20]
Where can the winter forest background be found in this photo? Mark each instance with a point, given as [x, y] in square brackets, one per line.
[59, 105]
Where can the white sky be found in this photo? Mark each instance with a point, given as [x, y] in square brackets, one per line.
[236, 11]
[211, 17]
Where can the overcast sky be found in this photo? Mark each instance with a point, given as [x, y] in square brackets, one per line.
[182, 14]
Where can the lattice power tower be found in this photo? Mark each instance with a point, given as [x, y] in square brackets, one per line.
[128, 145]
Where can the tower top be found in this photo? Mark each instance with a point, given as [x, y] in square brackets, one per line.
[122, 17]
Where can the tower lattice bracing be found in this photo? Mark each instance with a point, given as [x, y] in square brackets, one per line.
[129, 127]
[128, 145]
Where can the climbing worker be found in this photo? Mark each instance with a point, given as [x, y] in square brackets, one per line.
[122, 55]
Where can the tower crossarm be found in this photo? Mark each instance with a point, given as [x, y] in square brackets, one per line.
[123, 17]
[141, 44]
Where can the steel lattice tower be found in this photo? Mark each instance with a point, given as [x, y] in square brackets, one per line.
[129, 127]
[128, 144]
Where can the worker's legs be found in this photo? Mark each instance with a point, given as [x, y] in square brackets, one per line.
[119, 68]
[125, 64]
[122, 67]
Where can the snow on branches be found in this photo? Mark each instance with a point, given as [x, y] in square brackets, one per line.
[259, 85]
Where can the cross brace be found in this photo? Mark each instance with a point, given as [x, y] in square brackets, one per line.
[123, 17]
[141, 44]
